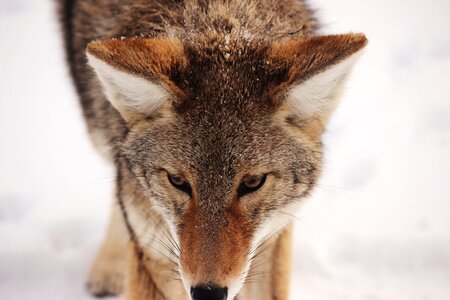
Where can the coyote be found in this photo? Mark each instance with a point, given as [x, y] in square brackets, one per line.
[212, 112]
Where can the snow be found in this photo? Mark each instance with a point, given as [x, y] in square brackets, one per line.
[377, 228]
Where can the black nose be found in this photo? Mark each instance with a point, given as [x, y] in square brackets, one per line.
[209, 292]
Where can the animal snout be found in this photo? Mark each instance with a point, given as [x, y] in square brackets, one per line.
[208, 292]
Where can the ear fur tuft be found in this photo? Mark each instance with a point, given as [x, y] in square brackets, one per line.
[152, 58]
[137, 73]
[316, 70]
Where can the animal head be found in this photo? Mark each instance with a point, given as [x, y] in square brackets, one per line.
[223, 138]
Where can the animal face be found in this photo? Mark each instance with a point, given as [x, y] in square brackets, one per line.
[223, 144]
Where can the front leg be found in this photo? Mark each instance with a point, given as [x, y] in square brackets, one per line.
[106, 277]
[150, 279]
[281, 266]
[139, 284]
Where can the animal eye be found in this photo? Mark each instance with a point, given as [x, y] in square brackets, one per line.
[251, 184]
[180, 183]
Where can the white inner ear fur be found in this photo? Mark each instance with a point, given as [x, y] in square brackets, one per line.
[319, 95]
[126, 91]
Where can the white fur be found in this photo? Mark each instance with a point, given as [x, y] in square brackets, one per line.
[235, 287]
[127, 91]
[273, 226]
[269, 229]
[317, 95]
[151, 236]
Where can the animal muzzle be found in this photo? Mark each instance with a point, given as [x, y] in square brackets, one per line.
[214, 255]
[209, 292]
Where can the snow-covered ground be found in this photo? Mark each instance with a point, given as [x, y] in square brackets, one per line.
[377, 228]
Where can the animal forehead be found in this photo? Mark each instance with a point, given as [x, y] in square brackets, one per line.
[225, 98]
[226, 117]
[224, 95]
[227, 144]
[219, 67]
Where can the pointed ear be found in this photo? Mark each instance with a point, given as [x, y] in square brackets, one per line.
[137, 74]
[315, 70]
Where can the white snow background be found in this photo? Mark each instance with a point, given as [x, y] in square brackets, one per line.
[377, 228]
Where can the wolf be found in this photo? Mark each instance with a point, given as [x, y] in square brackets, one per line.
[212, 113]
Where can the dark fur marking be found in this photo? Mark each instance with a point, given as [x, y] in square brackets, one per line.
[296, 177]
[122, 204]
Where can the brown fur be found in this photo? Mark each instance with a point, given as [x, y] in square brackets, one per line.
[85, 21]
[154, 59]
[228, 66]
[226, 232]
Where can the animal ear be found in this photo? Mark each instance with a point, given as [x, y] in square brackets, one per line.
[315, 70]
[137, 74]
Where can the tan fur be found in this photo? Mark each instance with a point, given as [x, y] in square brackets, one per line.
[272, 282]
[229, 77]
[272, 270]
[150, 279]
[281, 265]
[108, 271]
[139, 282]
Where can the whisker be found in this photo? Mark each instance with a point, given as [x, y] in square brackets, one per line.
[173, 278]
[256, 274]
[292, 216]
[252, 281]
[267, 238]
[166, 232]
[160, 252]
[155, 238]
[151, 234]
